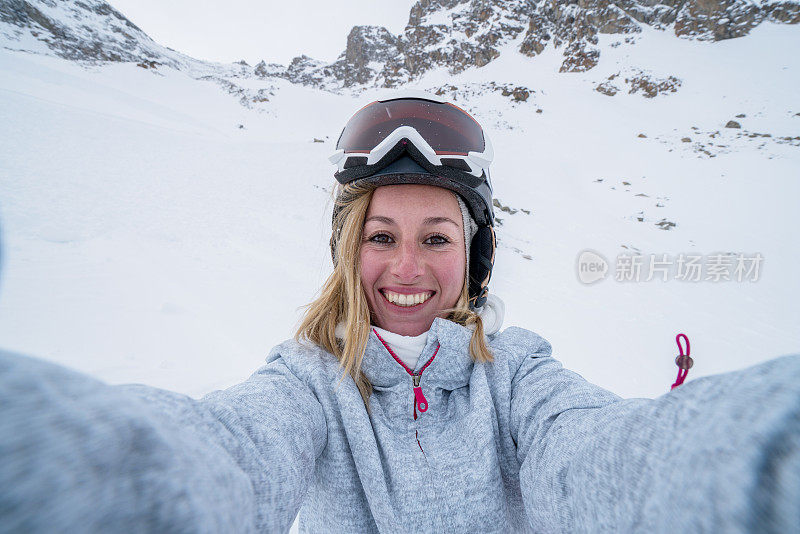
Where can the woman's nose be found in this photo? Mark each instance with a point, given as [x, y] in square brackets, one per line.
[407, 263]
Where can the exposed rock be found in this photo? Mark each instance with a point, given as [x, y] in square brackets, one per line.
[576, 25]
[537, 35]
[266, 70]
[640, 81]
[717, 19]
[607, 88]
[793, 141]
[262, 95]
[497, 204]
[651, 86]
[517, 93]
[307, 71]
[686, 140]
[658, 14]
[459, 34]
[610, 18]
[580, 56]
[785, 11]
[369, 53]
[733, 124]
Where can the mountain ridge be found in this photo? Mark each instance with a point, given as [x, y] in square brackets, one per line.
[459, 34]
[452, 34]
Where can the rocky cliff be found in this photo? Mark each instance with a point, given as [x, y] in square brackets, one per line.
[451, 34]
[87, 30]
[459, 34]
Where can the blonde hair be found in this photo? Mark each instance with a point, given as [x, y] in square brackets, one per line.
[342, 299]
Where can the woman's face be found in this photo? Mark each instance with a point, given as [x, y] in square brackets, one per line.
[412, 256]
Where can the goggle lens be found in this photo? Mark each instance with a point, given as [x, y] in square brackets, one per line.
[447, 128]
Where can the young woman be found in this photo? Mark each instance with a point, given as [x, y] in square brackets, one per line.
[400, 407]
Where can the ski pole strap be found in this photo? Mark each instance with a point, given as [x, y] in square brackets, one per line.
[683, 361]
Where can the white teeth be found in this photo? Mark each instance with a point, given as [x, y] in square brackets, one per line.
[406, 300]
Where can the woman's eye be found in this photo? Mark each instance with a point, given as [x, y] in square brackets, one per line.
[437, 240]
[380, 238]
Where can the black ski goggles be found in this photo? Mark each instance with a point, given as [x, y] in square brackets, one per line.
[442, 138]
[445, 135]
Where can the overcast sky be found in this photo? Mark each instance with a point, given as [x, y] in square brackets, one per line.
[230, 30]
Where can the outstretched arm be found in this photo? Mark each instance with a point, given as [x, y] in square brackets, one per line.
[77, 455]
[718, 454]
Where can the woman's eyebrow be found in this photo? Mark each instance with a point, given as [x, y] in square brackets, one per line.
[428, 221]
[437, 220]
[380, 218]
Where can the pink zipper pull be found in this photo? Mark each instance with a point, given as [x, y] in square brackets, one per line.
[421, 401]
[683, 361]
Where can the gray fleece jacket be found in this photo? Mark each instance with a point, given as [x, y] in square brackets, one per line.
[520, 444]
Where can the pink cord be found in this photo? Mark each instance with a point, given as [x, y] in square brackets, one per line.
[683, 361]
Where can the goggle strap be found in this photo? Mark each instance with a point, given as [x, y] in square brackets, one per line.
[399, 150]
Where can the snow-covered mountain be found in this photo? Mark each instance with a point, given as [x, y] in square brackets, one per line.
[452, 34]
[80, 30]
[461, 34]
[164, 217]
[92, 32]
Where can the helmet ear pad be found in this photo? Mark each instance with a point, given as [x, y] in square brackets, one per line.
[481, 259]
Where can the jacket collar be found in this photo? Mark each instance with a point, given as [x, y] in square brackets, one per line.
[450, 369]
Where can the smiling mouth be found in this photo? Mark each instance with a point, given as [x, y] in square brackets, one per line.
[407, 301]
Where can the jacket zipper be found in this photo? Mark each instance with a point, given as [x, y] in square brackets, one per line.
[420, 402]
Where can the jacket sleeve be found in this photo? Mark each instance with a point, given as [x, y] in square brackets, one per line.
[77, 455]
[717, 454]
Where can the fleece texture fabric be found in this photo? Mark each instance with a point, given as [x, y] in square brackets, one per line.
[517, 445]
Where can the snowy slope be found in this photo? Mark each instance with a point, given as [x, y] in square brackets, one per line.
[741, 200]
[156, 230]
